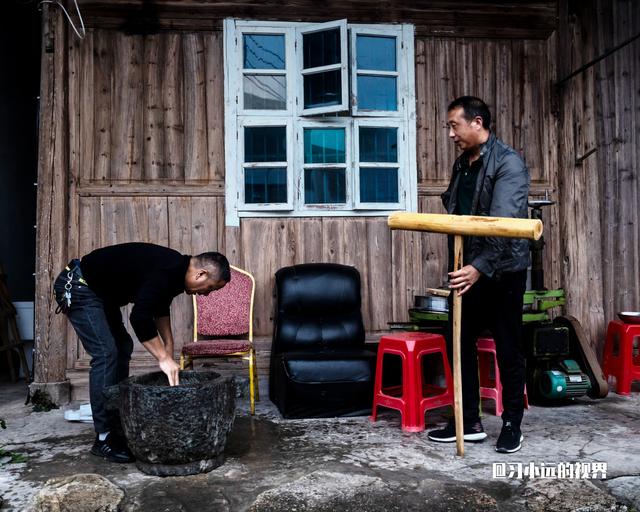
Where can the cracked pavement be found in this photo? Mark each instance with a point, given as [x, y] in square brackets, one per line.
[347, 464]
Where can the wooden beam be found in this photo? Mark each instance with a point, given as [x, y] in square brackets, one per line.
[467, 225]
[496, 19]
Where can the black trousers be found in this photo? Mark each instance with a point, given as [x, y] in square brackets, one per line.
[494, 305]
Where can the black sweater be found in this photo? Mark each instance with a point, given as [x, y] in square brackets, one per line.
[147, 275]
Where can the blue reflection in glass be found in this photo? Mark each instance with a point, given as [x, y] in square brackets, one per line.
[324, 186]
[378, 185]
[378, 144]
[374, 52]
[265, 144]
[264, 51]
[377, 93]
[265, 185]
[324, 146]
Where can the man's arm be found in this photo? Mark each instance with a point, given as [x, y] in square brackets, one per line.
[152, 303]
[163, 324]
[510, 194]
[169, 367]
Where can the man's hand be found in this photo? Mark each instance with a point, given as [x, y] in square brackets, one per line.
[165, 359]
[462, 280]
[171, 369]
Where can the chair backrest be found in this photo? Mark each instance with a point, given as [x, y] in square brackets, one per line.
[318, 307]
[228, 311]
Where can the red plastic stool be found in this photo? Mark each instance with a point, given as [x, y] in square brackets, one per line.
[619, 359]
[410, 398]
[490, 385]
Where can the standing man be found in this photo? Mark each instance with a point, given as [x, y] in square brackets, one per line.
[92, 290]
[489, 178]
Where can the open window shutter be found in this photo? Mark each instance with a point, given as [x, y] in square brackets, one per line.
[322, 60]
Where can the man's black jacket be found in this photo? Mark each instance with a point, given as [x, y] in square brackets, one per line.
[147, 275]
[502, 190]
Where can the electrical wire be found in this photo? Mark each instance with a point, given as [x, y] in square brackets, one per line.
[73, 26]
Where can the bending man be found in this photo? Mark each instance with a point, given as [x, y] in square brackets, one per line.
[92, 290]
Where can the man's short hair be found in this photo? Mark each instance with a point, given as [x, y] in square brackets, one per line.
[473, 107]
[217, 261]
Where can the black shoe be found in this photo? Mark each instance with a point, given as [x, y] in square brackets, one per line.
[112, 449]
[510, 439]
[473, 432]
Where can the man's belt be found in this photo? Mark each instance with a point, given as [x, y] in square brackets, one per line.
[74, 267]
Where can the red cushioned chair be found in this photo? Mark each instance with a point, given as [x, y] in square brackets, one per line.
[225, 318]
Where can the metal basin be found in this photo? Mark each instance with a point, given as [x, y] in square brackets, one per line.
[179, 430]
[630, 317]
[431, 303]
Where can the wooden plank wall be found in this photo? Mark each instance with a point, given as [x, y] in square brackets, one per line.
[146, 162]
[600, 117]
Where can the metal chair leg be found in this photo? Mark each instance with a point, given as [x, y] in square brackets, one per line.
[255, 375]
[252, 383]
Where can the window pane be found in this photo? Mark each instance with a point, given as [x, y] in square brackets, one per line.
[322, 89]
[265, 144]
[375, 52]
[324, 146]
[378, 185]
[267, 185]
[264, 51]
[265, 92]
[321, 48]
[324, 186]
[377, 93]
[378, 144]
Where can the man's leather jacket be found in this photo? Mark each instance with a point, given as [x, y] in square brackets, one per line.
[502, 190]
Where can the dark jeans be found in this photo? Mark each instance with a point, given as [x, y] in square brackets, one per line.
[494, 305]
[104, 337]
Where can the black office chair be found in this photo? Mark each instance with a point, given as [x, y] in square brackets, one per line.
[319, 365]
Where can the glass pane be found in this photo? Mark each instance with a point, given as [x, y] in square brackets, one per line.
[375, 52]
[265, 92]
[321, 48]
[378, 144]
[324, 146]
[324, 186]
[377, 93]
[266, 185]
[378, 185]
[265, 144]
[264, 51]
[322, 89]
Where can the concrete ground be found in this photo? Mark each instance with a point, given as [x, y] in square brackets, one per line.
[350, 464]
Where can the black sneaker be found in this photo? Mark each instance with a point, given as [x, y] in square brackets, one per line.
[510, 439]
[473, 432]
[112, 449]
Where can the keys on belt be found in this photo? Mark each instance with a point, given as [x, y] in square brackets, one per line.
[73, 267]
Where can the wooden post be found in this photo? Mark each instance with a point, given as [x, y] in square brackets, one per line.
[458, 244]
[460, 225]
[50, 359]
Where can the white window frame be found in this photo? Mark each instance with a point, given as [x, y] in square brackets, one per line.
[260, 122]
[400, 74]
[343, 66]
[335, 122]
[378, 123]
[236, 117]
[289, 35]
